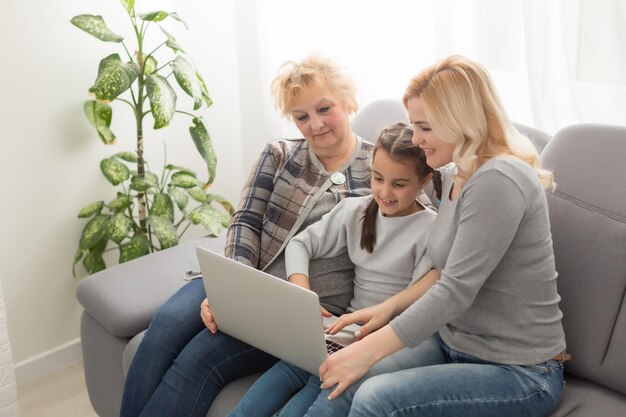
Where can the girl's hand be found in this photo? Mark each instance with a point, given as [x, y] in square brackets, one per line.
[207, 317]
[325, 313]
[373, 318]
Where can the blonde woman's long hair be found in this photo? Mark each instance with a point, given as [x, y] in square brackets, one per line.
[463, 107]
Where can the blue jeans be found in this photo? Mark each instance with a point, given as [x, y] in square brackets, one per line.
[433, 380]
[180, 367]
[274, 389]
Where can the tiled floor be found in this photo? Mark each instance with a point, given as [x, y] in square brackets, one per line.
[62, 394]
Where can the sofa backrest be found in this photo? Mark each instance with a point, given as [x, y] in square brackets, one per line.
[588, 223]
[378, 114]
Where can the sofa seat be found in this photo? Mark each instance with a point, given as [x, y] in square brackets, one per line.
[582, 398]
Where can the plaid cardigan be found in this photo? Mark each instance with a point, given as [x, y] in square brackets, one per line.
[283, 186]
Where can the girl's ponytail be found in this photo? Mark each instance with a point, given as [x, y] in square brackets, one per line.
[368, 231]
[437, 183]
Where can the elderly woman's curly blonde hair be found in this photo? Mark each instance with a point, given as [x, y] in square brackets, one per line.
[296, 78]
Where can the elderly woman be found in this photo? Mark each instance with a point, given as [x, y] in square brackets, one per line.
[183, 362]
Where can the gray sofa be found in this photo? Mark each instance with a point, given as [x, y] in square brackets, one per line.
[588, 217]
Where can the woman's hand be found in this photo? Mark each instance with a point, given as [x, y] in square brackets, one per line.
[207, 317]
[345, 367]
[373, 318]
[348, 365]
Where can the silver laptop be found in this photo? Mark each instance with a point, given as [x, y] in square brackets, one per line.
[268, 313]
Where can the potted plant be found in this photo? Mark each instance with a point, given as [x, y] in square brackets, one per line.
[151, 211]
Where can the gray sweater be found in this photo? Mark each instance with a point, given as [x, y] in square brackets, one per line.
[497, 297]
[397, 260]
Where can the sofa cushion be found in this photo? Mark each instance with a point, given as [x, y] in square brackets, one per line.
[583, 398]
[588, 223]
[124, 298]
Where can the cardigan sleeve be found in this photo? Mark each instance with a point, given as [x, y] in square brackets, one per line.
[244, 233]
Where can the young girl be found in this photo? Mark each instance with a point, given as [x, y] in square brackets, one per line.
[379, 234]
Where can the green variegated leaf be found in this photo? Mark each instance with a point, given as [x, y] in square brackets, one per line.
[171, 167]
[162, 100]
[143, 183]
[186, 77]
[175, 16]
[138, 246]
[128, 4]
[171, 42]
[164, 231]
[114, 171]
[154, 16]
[114, 77]
[150, 66]
[222, 217]
[127, 156]
[205, 92]
[91, 209]
[184, 180]
[94, 231]
[94, 262]
[162, 206]
[222, 201]
[122, 202]
[77, 257]
[197, 194]
[99, 115]
[118, 228]
[209, 218]
[95, 26]
[179, 197]
[203, 143]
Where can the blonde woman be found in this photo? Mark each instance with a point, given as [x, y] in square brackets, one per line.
[183, 362]
[486, 339]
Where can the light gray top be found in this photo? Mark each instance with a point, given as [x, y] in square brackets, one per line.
[331, 279]
[497, 297]
[397, 260]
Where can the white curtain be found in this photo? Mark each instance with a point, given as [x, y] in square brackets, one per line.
[554, 62]
[9, 406]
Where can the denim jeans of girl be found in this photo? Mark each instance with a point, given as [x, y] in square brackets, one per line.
[283, 387]
[433, 380]
[180, 367]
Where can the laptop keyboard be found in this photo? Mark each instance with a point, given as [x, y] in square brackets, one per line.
[332, 347]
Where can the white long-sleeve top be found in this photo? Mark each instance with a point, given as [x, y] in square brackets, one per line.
[397, 260]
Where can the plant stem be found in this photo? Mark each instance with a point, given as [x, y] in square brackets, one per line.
[184, 230]
[127, 53]
[127, 102]
[142, 197]
[164, 165]
[187, 113]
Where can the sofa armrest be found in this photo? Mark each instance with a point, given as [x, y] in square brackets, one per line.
[124, 298]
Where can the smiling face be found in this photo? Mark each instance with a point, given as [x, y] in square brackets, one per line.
[323, 119]
[438, 151]
[395, 185]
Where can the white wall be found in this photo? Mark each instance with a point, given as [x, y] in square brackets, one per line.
[50, 155]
